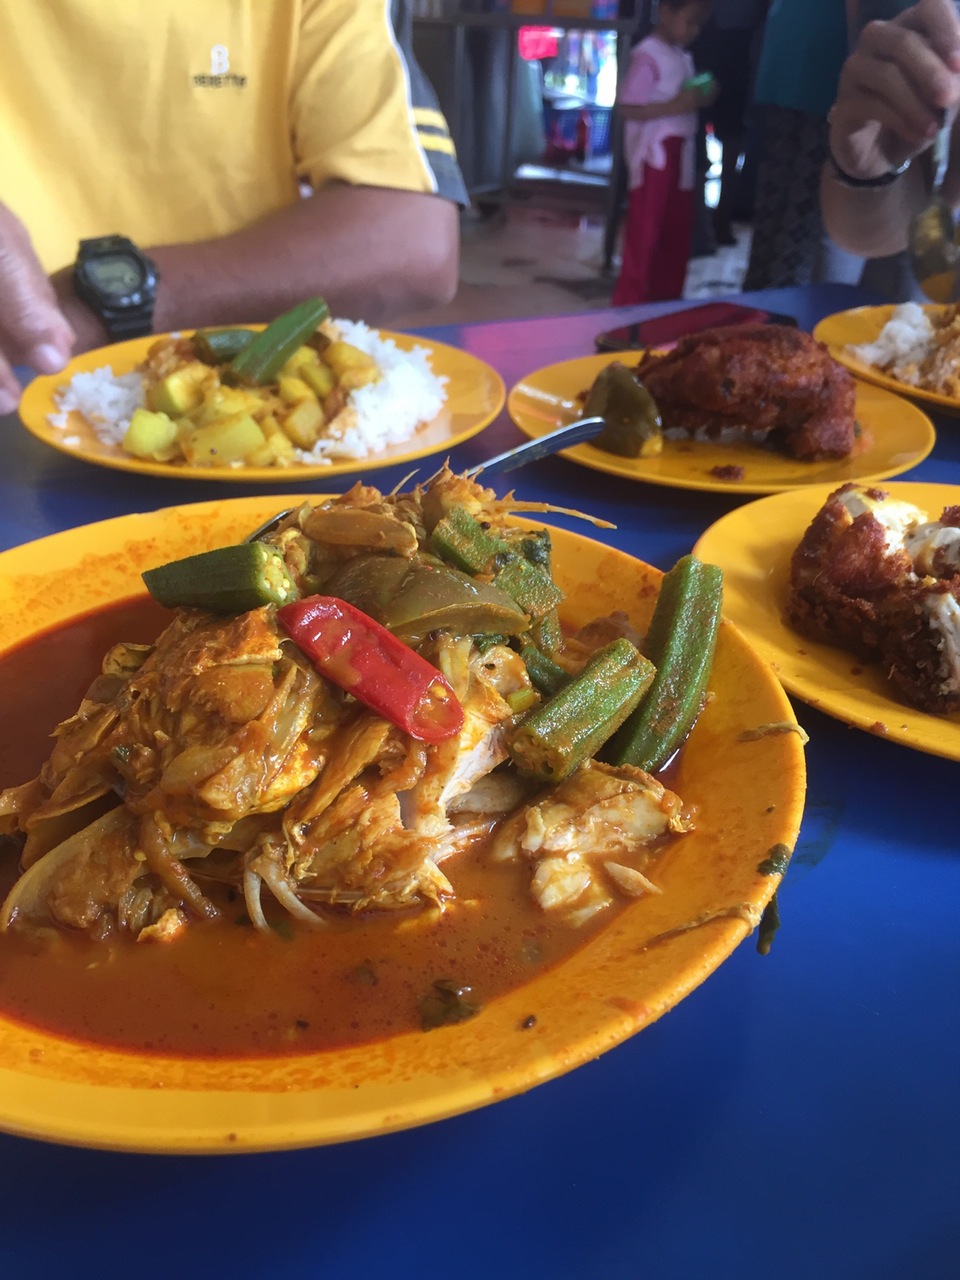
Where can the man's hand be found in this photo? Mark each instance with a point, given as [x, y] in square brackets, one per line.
[895, 89]
[33, 329]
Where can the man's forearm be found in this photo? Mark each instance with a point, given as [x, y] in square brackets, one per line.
[371, 252]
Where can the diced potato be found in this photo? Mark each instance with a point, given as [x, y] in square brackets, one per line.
[278, 451]
[319, 378]
[149, 434]
[302, 358]
[302, 424]
[351, 367]
[352, 379]
[293, 390]
[265, 456]
[221, 443]
[222, 402]
[284, 449]
[279, 441]
[181, 391]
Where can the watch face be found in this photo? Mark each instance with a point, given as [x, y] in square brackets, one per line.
[115, 274]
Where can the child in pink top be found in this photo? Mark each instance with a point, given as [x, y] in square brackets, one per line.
[659, 140]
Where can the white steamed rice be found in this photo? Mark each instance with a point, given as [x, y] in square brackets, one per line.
[902, 344]
[389, 411]
[106, 400]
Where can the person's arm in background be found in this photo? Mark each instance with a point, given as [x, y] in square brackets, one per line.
[895, 86]
[371, 252]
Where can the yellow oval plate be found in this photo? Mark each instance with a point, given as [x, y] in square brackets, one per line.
[897, 436]
[863, 324]
[475, 395]
[753, 545]
[747, 794]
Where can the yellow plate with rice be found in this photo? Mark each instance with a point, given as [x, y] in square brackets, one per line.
[474, 395]
[863, 325]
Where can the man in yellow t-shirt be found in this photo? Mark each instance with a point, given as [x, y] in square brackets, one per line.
[252, 153]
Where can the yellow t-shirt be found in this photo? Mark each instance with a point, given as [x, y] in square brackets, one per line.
[183, 120]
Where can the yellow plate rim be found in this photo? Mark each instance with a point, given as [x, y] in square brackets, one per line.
[753, 545]
[475, 395]
[636, 968]
[874, 407]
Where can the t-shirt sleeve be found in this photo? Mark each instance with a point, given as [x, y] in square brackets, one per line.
[640, 81]
[362, 111]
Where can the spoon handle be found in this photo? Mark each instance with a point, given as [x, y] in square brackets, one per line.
[542, 447]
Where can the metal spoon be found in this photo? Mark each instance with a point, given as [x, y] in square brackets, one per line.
[934, 255]
[562, 438]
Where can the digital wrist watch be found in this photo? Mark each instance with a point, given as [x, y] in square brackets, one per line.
[118, 282]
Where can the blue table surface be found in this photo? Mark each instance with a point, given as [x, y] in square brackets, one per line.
[797, 1116]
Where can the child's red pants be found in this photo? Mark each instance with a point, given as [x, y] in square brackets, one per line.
[656, 239]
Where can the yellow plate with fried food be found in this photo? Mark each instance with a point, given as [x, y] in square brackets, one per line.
[754, 545]
[741, 772]
[474, 395]
[861, 325]
[895, 436]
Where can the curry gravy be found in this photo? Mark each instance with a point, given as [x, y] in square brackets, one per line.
[223, 988]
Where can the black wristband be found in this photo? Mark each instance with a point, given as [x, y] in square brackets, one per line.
[859, 184]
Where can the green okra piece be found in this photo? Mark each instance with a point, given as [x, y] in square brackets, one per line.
[226, 580]
[547, 633]
[573, 724]
[548, 676]
[465, 543]
[537, 547]
[262, 359]
[681, 643]
[533, 590]
[220, 346]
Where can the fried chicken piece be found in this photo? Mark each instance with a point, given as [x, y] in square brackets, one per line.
[852, 557]
[921, 644]
[935, 547]
[777, 382]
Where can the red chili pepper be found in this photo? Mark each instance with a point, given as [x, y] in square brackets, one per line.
[365, 659]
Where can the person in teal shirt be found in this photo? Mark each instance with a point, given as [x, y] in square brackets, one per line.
[805, 44]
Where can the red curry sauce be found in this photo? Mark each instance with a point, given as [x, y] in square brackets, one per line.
[222, 988]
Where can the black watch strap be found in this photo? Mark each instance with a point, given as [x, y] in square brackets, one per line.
[120, 327]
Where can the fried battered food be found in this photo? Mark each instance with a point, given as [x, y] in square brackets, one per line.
[876, 577]
[778, 383]
[849, 559]
[921, 644]
[935, 547]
